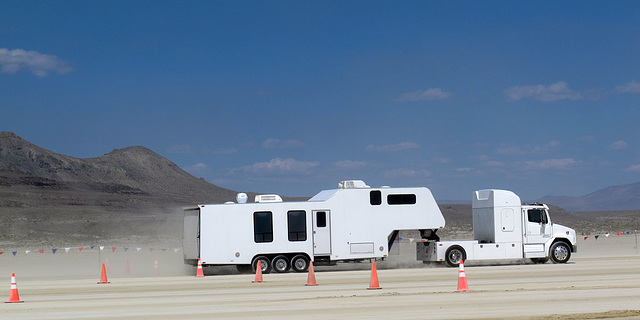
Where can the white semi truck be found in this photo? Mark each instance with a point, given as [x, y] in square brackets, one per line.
[504, 229]
[356, 222]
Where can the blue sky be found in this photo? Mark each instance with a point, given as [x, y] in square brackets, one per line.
[290, 97]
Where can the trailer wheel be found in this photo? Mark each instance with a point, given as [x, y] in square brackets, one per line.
[560, 252]
[265, 264]
[454, 255]
[300, 263]
[281, 264]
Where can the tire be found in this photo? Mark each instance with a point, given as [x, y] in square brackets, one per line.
[560, 252]
[281, 264]
[265, 264]
[300, 263]
[244, 268]
[454, 255]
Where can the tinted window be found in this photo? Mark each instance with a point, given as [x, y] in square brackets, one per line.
[401, 199]
[297, 223]
[321, 219]
[262, 226]
[375, 197]
[536, 215]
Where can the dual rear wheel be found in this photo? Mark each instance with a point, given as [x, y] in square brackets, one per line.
[281, 263]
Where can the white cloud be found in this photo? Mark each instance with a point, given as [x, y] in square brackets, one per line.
[220, 151]
[279, 165]
[634, 168]
[351, 165]
[524, 150]
[404, 173]
[493, 163]
[461, 170]
[552, 92]
[181, 148]
[272, 143]
[197, 168]
[550, 164]
[11, 61]
[429, 94]
[618, 145]
[393, 147]
[631, 87]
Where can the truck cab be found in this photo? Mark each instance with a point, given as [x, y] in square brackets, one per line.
[503, 228]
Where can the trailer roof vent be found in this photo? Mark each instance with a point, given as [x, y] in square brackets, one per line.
[353, 184]
[268, 198]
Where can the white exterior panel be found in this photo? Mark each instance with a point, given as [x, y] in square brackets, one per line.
[356, 228]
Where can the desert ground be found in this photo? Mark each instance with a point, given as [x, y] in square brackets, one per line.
[601, 281]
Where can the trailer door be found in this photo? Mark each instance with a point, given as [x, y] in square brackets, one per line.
[191, 234]
[321, 233]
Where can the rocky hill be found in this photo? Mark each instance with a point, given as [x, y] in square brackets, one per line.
[132, 194]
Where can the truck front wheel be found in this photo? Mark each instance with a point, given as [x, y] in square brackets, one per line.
[560, 252]
[454, 255]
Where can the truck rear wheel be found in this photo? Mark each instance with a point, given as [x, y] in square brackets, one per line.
[454, 255]
[560, 252]
[300, 263]
[265, 264]
[281, 264]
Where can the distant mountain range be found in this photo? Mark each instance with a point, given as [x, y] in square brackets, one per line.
[622, 197]
[134, 195]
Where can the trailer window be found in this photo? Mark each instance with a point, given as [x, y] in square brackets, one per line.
[401, 199]
[297, 223]
[262, 226]
[321, 219]
[375, 197]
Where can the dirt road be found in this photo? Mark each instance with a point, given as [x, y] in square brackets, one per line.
[586, 287]
[601, 281]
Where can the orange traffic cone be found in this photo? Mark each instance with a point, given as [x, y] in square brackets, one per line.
[462, 279]
[374, 278]
[13, 295]
[199, 273]
[127, 268]
[103, 277]
[258, 273]
[311, 280]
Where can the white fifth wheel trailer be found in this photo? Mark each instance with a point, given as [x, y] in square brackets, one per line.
[503, 228]
[351, 223]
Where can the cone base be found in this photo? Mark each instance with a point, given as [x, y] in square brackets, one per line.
[105, 282]
[311, 285]
[374, 288]
[13, 301]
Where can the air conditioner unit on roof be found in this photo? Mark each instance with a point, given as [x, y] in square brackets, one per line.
[268, 198]
[353, 184]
